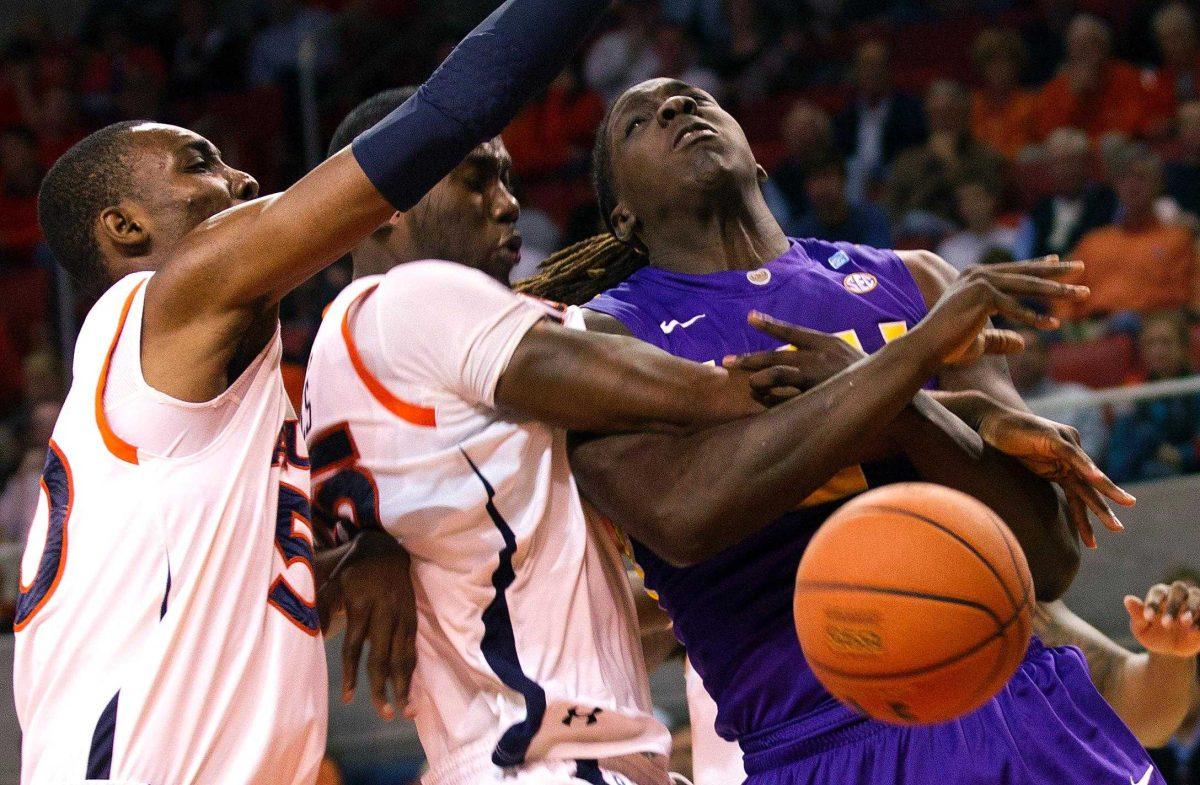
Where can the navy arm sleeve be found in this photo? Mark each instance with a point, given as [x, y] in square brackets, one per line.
[509, 58]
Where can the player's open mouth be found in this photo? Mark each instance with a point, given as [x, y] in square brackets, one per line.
[511, 248]
[693, 132]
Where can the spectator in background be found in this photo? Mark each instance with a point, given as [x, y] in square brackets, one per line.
[19, 501]
[116, 65]
[553, 135]
[57, 123]
[1075, 205]
[1182, 174]
[921, 190]
[1094, 91]
[624, 56]
[1030, 375]
[20, 174]
[1044, 35]
[275, 51]
[807, 136]
[1158, 438]
[1002, 112]
[1176, 81]
[879, 123]
[203, 57]
[1139, 264]
[978, 202]
[831, 216]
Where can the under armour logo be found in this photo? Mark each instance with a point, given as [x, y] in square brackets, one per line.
[574, 714]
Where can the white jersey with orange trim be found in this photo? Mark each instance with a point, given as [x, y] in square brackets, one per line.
[527, 644]
[166, 628]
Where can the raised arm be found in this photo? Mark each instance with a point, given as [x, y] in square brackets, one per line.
[242, 261]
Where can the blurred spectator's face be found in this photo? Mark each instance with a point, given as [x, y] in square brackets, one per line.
[1001, 73]
[806, 128]
[1177, 40]
[1087, 43]
[1163, 350]
[976, 206]
[1069, 170]
[1028, 368]
[469, 216]
[826, 188]
[1189, 128]
[41, 424]
[948, 112]
[1137, 188]
[871, 64]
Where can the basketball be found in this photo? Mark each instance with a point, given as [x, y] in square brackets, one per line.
[913, 604]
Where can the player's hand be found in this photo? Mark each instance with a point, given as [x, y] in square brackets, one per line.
[1052, 451]
[812, 357]
[373, 583]
[1168, 620]
[957, 326]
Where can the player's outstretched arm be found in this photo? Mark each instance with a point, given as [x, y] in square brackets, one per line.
[689, 497]
[1151, 691]
[243, 260]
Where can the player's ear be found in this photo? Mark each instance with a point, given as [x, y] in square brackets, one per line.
[625, 224]
[386, 228]
[126, 228]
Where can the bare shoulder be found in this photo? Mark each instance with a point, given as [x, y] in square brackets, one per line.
[932, 273]
[603, 323]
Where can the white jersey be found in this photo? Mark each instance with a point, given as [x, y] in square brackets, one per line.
[527, 645]
[715, 761]
[166, 628]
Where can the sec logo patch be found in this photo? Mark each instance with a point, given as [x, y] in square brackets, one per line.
[860, 283]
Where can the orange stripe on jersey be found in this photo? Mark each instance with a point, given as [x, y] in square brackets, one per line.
[115, 444]
[417, 415]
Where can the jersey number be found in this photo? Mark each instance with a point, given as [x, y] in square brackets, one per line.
[346, 499]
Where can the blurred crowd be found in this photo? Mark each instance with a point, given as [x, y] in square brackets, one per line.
[986, 130]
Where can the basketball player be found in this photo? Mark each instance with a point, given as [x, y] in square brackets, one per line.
[166, 624]
[436, 408]
[679, 188]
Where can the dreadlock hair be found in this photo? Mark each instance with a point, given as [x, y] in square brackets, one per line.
[581, 271]
[91, 176]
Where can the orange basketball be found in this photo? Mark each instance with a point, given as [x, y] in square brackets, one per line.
[913, 604]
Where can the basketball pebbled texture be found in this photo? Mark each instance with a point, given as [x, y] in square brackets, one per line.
[914, 604]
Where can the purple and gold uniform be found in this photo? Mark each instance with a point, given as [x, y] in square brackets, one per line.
[733, 612]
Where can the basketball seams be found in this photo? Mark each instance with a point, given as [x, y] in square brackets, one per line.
[966, 544]
[920, 595]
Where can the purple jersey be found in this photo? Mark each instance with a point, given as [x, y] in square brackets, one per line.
[734, 611]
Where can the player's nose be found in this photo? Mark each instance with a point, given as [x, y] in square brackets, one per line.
[675, 106]
[505, 207]
[243, 186]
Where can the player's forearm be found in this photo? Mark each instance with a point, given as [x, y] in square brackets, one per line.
[690, 497]
[1153, 695]
[613, 384]
[946, 451]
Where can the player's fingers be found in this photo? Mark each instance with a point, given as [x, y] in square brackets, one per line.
[800, 337]
[779, 376]
[1190, 613]
[1137, 614]
[1087, 469]
[758, 360]
[1173, 604]
[1077, 514]
[1002, 342]
[1154, 601]
[1046, 266]
[357, 620]
[403, 660]
[383, 625]
[1097, 504]
[1010, 308]
[1020, 285]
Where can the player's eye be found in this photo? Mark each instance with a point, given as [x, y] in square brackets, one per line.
[198, 165]
[632, 125]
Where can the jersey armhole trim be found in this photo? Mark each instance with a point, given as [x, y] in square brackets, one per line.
[115, 444]
[417, 415]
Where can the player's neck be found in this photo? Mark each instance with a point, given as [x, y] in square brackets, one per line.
[741, 234]
[374, 258]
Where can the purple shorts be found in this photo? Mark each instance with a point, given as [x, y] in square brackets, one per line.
[1048, 726]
